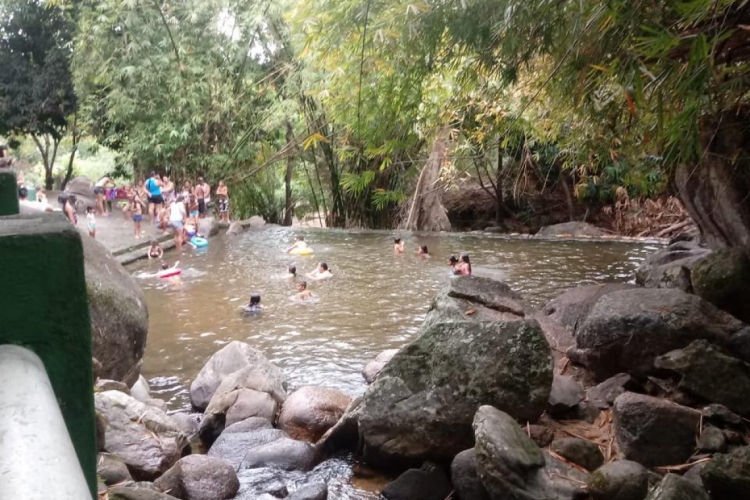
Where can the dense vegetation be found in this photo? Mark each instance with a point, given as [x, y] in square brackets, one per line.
[333, 106]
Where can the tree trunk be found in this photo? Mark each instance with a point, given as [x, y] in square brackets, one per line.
[568, 195]
[289, 203]
[716, 191]
[427, 212]
[76, 137]
[48, 158]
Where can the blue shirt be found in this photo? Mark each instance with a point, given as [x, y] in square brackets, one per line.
[152, 187]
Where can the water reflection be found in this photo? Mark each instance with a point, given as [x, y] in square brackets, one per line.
[376, 301]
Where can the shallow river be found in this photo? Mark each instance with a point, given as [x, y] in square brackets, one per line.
[376, 301]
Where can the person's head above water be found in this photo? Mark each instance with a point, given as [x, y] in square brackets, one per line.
[397, 241]
[164, 265]
[423, 250]
[452, 260]
[322, 267]
[465, 258]
[292, 270]
[299, 237]
[154, 243]
[302, 285]
[254, 299]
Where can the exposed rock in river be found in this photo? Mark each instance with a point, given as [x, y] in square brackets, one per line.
[119, 318]
[670, 267]
[723, 278]
[570, 229]
[627, 330]
[571, 307]
[199, 477]
[310, 411]
[145, 438]
[621, 480]
[371, 369]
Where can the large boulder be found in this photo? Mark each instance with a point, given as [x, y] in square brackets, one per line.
[671, 266]
[235, 229]
[419, 484]
[83, 189]
[570, 229]
[230, 359]
[511, 465]
[710, 374]
[422, 404]
[112, 469]
[255, 222]
[571, 307]
[579, 451]
[119, 318]
[143, 436]
[284, 453]
[208, 226]
[674, 487]
[310, 411]
[200, 477]
[232, 446]
[728, 476]
[653, 431]
[371, 369]
[723, 278]
[626, 330]
[565, 394]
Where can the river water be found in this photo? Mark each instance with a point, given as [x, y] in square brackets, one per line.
[376, 300]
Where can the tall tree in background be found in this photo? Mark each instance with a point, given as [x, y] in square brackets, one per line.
[36, 87]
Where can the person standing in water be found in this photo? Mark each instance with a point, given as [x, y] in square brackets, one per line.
[302, 292]
[398, 246]
[453, 263]
[464, 265]
[422, 251]
[155, 251]
[254, 305]
[291, 272]
[177, 217]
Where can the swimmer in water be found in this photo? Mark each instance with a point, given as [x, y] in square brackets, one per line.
[155, 251]
[453, 262]
[299, 243]
[321, 273]
[291, 272]
[464, 265]
[398, 246]
[254, 305]
[422, 251]
[302, 292]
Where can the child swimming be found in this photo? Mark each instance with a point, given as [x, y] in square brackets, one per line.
[398, 246]
[291, 272]
[155, 251]
[453, 262]
[254, 305]
[422, 251]
[302, 292]
[299, 244]
[320, 273]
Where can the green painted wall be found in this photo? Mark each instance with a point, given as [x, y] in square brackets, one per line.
[8, 193]
[45, 308]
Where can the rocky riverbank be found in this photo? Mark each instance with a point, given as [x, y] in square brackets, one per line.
[609, 392]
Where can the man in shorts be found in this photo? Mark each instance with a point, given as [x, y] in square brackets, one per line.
[177, 216]
[155, 197]
[203, 193]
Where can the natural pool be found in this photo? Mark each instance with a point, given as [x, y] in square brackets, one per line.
[376, 301]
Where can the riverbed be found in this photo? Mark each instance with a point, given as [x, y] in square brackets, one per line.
[376, 300]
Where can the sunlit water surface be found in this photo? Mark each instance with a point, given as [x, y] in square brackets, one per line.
[376, 301]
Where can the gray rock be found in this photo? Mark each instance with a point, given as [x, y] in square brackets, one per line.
[711, 374]
[712, 440]
[141, 390]
[157, 403]
[139, 491]
[571, 308]
[570, 229]
[511, 466]
[315, 491]
[147, 440]
[723, 278]
[239, 365]
[694, 474]
[249, 425]
[208, 226]
[565, 395]
[235, 229]
[189, 423]
[579, 451]
[200, 477]
[111, 469]
[255, 483]
[541, 435]
[670, 267]
[674, 487]
[465, 478]
[621, 480]
[418, 484]
[110, 385]
[101, 430]
[256, 221]
[720, 414]
[727, 476]
[625, 331]
[310, 411]
[285, 453]
[652, 431]
[422, 404]
[371, 369]
[344, 435]
[232, 446]
[119, 318]
[604, 394]
[247, 403]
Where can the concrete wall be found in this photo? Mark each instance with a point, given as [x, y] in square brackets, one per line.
[44, 307]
